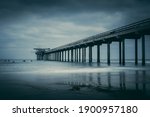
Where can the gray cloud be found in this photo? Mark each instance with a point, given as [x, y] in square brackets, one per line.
[15, 8]
[49, 23]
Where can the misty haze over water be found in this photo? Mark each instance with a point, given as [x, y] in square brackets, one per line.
[62, 80]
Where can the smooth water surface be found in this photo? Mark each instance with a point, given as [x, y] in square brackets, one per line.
[63, 80]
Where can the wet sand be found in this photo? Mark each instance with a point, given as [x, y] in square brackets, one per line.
[57, 80]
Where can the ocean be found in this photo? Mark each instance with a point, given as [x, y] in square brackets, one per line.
[50, 80]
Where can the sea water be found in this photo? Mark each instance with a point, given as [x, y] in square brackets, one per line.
[31, 79]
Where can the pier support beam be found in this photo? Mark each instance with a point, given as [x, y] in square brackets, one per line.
[50, 56]
[37, 56]
[65, 55]
[120, 53]
[98, 53]
[47, 57]
[79, 54]
[108, 53]
[59, 55]
[90, 54]
[123, 52]
[55, 56]
[62, 56]
[68, 55]
[136, 51]
[75, 55]
[84, 54]
[71, 55]
[143, 50]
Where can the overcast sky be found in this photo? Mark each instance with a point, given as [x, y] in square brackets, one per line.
[28, 24]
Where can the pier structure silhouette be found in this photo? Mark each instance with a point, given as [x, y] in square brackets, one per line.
[76, 51]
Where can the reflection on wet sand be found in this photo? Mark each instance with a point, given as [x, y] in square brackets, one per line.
[124, 84]
[122, 81]
[73, 81]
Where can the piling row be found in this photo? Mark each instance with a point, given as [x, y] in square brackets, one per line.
[77, 51]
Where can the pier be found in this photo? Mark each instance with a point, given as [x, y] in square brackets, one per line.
[76, 51]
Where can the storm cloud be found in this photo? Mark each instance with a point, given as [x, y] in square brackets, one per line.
[26, 24]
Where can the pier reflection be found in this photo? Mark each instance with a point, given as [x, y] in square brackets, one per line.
[126, 82]
[122, 81]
